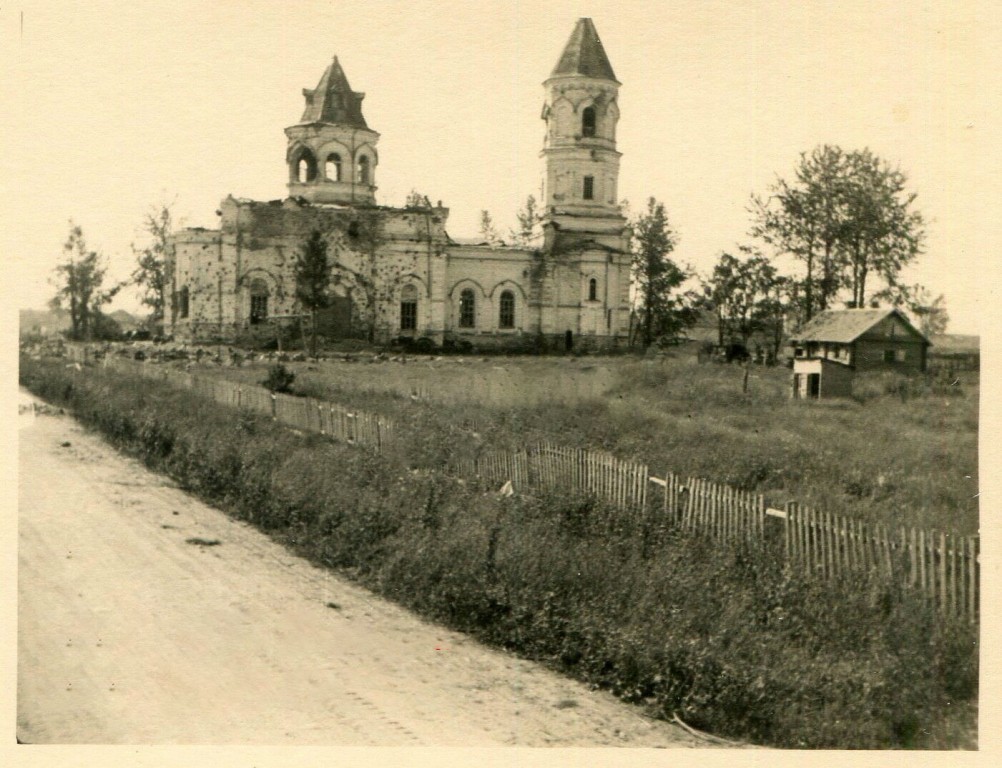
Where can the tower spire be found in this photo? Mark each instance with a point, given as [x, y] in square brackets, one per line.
[584, 54]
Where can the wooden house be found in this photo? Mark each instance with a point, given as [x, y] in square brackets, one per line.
[836, 343]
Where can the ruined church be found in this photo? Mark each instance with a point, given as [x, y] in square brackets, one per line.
[396, 271]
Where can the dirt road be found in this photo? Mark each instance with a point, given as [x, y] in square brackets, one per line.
[132, 632]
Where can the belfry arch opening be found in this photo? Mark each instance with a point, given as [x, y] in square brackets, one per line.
[332, 167]
[304, 167]
[588, 122]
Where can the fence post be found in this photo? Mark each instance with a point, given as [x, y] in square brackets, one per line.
[274, 406]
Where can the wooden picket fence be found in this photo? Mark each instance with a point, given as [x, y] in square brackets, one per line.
[305, 413]
[622, 483]
[943, 567]
[721, 511]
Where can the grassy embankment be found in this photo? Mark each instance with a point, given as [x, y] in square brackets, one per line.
[725, 637]
[894, 456]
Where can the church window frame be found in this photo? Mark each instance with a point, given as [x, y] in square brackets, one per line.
[588, 122]
[593, 289]
[588, 188]
[506, 310]
[467, 309]
[258, 302]
[183, 302]
[364, 170]
[408, 308]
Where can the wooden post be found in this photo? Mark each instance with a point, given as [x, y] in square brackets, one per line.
[788, 531]
[972, 569]
[953, 575]
[942, 571]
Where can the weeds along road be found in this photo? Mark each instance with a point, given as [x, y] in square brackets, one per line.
[131, 631]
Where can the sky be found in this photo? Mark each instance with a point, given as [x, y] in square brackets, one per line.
[108, 109]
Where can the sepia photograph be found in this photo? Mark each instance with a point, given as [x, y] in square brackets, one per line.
[539, 374]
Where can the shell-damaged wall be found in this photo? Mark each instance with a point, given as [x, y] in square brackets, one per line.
[374, 253]
[519, 298]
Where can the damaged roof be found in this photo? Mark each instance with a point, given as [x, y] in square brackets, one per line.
[333, 100]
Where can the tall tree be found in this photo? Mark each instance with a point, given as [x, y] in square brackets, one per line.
[528, 216]
[80, 285]
[805, 218]
[313, 278]
[845, 216]
[664, 311]
[884, 233]
[743, 292]
[487, 229]
[153, 263]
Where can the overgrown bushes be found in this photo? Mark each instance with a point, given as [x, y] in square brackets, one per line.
[724, 636]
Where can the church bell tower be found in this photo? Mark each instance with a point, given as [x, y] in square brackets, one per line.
[332, 152]
[581, 111]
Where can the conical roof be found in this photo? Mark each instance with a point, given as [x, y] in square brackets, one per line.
[333, 100]
[584, 54]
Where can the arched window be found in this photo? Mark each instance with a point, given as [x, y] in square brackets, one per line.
[182, 302]
[588, 193]
[507, 315]
[593, 290]
[306, 167]
[333, 167]
[588, 121]
[408, 308]
[363, 170]
[259, 301]
[467, 309]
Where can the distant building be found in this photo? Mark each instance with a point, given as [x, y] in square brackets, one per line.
[396, 271]
[836, 343]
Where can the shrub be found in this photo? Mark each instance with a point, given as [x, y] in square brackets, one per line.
[279, 378]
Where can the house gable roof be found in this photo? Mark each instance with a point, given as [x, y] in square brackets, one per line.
[846, 325]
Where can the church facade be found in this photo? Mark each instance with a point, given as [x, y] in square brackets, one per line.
[396, 271]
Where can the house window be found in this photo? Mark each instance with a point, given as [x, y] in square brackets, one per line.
[182, 302]
[588, 122]
[593, 290]
[899, 355]
[467, 309]
[888, 355]
[408, 308]
[363, 170]
[259, 302]
[589, 188]
[507, 317]
[333, 167]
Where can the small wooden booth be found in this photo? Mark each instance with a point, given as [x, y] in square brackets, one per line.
[815, 378]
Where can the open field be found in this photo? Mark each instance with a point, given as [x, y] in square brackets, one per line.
[897, 455]
[723, 635]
